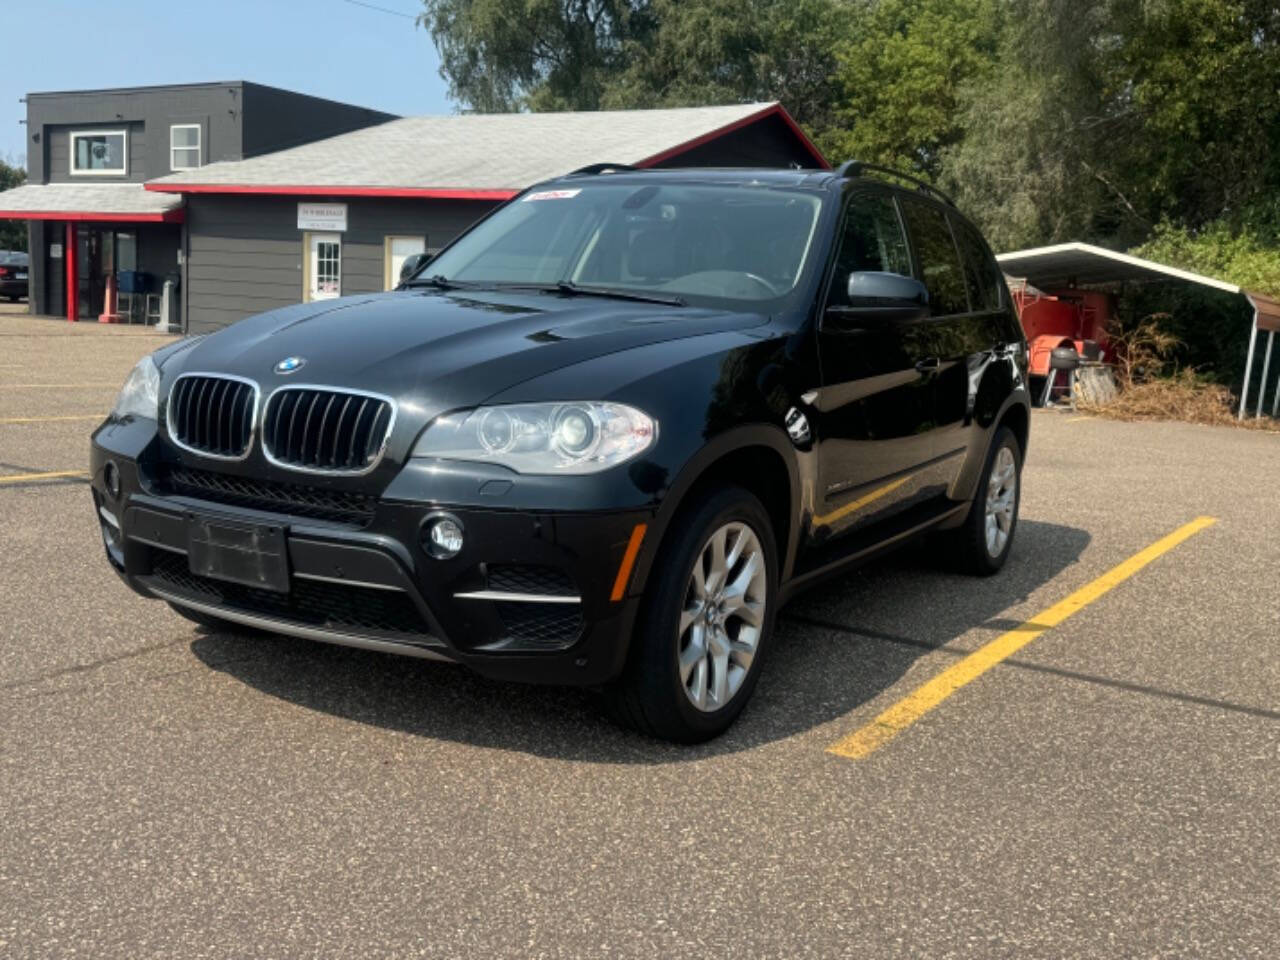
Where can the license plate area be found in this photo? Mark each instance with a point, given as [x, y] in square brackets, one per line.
[19, 276]
[252, 554]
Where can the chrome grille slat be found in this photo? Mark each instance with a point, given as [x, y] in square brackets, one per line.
[375, 431]
[222, 406]
[306, 425]
[321, 434]
[337, 430]
[355, 429]
[197, 417]
[303, 434]
[212, 414]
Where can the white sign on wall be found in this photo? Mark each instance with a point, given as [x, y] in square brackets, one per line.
[330, 217]
[55, 251]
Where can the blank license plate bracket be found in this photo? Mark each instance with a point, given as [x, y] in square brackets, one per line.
[252, 554]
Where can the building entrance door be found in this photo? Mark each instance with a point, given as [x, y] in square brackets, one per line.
[93, 262]
[324, 261]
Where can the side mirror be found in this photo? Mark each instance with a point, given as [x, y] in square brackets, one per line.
[411, 265]
[884, 297]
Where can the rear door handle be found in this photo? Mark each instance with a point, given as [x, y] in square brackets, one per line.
[928, 365]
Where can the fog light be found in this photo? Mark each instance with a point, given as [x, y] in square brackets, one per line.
[111, 479]
[444, 537]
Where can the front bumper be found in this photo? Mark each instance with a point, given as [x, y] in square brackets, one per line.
[503, 606]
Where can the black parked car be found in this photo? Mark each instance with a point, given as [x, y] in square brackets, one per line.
[14, 268]
[600, 439]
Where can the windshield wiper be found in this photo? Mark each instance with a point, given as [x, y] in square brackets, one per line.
[570, 289]
[437, 281]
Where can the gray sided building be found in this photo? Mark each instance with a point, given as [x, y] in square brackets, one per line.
[322, 212]
[338, 216]
[90, 152]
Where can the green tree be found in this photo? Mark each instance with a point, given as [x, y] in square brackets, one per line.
[725, 51]
[901, 67]
[13, 233]
[500, 55]
[1246, 254]
[1103, 117]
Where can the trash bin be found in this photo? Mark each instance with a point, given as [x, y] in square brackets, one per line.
[133, 281]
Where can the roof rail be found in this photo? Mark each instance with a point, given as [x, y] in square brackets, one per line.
[856, 168]
[595, 169]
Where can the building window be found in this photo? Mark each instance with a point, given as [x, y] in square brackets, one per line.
[100, 153]
[184, 146]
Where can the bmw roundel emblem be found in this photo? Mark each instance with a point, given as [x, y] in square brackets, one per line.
[289, 365]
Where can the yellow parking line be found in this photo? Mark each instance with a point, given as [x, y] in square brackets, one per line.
[1076, 419]
[927, 696]
[54, 475]
[79, 416]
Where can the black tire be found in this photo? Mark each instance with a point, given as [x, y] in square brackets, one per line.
[650, 695]
[968, 543]
[209, 620]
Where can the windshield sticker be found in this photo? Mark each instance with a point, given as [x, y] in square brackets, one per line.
[553, 194]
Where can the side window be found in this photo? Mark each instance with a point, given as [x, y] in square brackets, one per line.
[982, 275]
[872, 240]
[940, 267]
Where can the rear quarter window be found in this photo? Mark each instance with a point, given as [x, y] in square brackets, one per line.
[939, 261]
[983, 278]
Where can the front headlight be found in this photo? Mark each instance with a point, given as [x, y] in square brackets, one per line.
[545, 438]
[140, 395]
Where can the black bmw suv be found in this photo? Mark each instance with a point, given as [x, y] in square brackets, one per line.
[600, 439]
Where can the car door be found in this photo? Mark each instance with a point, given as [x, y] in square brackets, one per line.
[953, 331]
[984, 343]
[875, 407]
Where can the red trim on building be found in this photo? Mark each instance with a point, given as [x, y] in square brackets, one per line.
[432, 193]
[82, 216]
[774, 110]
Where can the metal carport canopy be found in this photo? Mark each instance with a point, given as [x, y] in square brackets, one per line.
[1073, 265]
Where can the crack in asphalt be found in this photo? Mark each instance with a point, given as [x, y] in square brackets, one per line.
[94, 665]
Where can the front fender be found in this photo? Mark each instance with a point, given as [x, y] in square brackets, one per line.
[686, 480]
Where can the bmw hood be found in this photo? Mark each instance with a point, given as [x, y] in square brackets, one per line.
[434, 351]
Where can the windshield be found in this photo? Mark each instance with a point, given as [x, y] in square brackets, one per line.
[700, 240]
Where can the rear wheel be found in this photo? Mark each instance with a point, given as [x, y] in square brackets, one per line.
[981, 546]
[707, 618]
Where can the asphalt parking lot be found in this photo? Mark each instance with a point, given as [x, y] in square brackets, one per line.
[1110, 788]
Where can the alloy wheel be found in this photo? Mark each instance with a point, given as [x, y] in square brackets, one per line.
[1002, 498]
[723, 616]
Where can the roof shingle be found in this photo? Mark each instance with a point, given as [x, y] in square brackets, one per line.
[119, 199]
[479, 152]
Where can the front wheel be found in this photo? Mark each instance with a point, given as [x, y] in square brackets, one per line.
[981, 546]
[706, 620]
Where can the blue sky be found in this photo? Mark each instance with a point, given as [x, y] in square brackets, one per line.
[330, 48]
